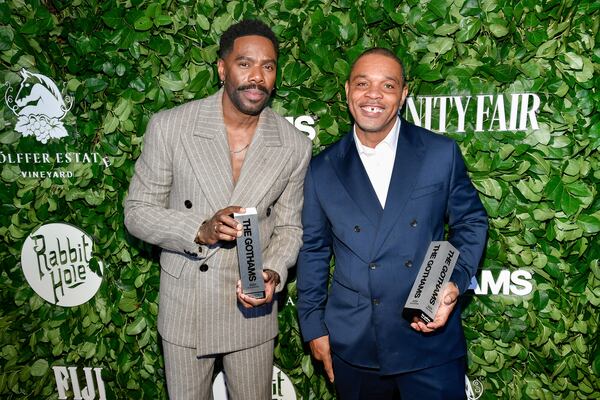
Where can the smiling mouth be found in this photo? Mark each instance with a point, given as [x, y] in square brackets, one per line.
[372, 109]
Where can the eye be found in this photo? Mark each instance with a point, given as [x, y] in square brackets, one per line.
[243, 64]
[269, 67]
[361, 84]
[389, 86]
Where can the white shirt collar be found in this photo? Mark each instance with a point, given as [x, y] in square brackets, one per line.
[390, 140]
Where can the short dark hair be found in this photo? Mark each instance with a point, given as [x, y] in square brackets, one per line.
[382, 51]
[247, 27]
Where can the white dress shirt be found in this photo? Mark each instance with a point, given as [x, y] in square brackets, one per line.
[379, 162]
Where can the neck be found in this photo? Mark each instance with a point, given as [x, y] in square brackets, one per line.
[370, 139]
[235, 119]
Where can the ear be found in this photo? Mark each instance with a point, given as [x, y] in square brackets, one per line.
[403, 95]
[221, 69]
[346, 87]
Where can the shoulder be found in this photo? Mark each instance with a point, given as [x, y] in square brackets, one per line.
[427, 137]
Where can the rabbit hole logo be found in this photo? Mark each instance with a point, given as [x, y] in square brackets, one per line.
[56, 260]
[39, 107]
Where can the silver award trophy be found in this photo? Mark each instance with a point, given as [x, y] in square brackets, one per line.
[426, 293]
[250, 255]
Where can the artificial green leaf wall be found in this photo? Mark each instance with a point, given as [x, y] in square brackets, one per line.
[121, 61]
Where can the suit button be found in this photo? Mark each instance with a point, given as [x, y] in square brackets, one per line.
[376, 302]
[408, 264]
[204, 268]
[372, 265]
[413, 223]
[268, 211]
[187, 204]
[356, 228]
[200, 249]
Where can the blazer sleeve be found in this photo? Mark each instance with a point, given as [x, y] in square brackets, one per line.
[467, 223]
[286, 239]
[147, 213]
[313, 264]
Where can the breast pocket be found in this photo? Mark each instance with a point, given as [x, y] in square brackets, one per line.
[427, 190]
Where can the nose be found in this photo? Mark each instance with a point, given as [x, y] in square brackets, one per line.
[256, 74]
[373, 92]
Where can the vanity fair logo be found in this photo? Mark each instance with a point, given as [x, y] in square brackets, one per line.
[56, 263]
[478, 113]
[281, 388]
[39, 107]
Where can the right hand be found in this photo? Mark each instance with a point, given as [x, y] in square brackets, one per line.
[221, 226]
[321, 351]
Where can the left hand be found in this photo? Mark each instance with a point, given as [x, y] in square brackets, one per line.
[449, 296]
[271, 280]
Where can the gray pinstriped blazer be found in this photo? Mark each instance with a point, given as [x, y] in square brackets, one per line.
[182, 178]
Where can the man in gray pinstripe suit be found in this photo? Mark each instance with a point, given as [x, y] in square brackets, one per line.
[201, 162]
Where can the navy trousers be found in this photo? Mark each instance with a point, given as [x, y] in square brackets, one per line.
[442, 382]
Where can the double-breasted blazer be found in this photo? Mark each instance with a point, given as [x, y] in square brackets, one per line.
[181, 179]
[378, 251]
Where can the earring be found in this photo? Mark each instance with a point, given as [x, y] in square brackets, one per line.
[222, 83]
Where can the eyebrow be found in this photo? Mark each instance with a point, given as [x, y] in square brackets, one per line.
[387, 78]
[247, 58]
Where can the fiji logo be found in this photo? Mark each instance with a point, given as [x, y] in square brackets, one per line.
[39, 106]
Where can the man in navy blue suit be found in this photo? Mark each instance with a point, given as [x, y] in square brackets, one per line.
[376, 200]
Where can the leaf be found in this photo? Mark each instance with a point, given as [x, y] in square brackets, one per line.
[438, 7]
[143, 23]
[498, 30]
[39, 368]
[137, 326]
[469, 27]
[128, 304]
[589, 223]
[440, 45]
[96, 84]
[203, 22]
[575, 61]
[6, 38]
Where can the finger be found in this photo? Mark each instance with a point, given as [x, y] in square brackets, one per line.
[252, 301]
[232, 209]
[449, 299]
[225, 232]
[328, 365]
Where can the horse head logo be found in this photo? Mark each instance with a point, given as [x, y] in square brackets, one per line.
[39, 106]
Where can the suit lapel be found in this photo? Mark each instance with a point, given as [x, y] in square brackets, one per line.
[409, 153]
[351, 172]
[264, 161]
[208, 152]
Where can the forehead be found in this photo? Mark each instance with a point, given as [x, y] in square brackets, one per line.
[377, 66]
[253, 46]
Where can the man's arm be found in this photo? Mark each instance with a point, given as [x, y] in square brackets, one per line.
[313, 264]
[467, 223]
[313, 276]
[147, 215]
[286, 240]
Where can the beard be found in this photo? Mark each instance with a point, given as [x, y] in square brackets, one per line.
[243, 105]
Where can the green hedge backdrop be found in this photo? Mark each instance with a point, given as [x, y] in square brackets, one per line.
[124, 60]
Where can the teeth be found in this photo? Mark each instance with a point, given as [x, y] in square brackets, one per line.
[373, 109]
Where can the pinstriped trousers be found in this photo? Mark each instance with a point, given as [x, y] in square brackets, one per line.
[248, 373]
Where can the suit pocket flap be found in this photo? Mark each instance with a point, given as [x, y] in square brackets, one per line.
[426, 190]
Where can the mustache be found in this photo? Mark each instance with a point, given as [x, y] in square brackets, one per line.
[253, 86]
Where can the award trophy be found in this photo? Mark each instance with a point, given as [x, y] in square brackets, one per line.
[249, 255]
[426, 293]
